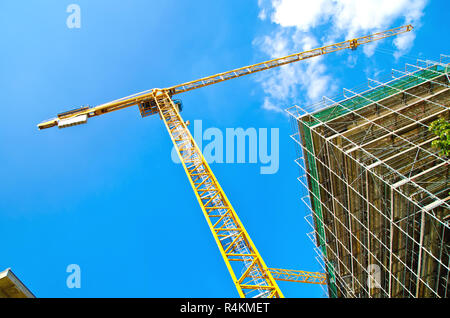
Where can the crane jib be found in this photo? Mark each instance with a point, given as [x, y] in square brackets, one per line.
[147, 107]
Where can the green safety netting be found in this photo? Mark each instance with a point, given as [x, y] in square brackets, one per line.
[376, 94]
[317, 206]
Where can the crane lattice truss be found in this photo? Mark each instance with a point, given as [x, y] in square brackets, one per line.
[299, 276]
[250, 274]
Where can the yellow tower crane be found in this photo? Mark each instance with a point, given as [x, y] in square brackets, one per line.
[247, 269]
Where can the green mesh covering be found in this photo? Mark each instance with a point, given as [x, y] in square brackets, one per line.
[317, 206]
[376, 94]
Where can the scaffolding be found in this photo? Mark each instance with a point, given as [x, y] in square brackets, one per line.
[377, 191]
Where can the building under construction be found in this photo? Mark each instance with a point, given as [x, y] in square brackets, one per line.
[378, 192]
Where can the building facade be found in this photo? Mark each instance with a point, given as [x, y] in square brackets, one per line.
[377, 191]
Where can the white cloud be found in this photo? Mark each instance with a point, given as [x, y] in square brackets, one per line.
[303, 14]
[355, 16]
[297, 23]
[350, 17]
[403, 43]
[285, 83]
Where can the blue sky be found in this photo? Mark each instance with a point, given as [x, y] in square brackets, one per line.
[106, 195]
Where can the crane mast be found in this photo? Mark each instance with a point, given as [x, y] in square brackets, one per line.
[248, 270]
[246, 266]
